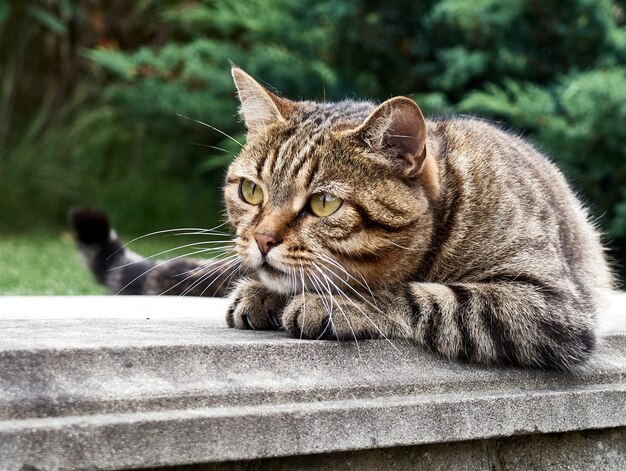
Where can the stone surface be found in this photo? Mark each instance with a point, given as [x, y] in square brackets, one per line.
[120, 382]
[603, 450]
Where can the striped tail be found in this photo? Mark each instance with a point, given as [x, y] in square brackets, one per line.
[124, 272]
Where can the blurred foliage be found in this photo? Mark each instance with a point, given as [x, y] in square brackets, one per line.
[94, 94]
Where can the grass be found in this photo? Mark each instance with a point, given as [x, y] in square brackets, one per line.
[49, 264]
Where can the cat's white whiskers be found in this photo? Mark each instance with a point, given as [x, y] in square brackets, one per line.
[199, 268]
[369, 319]
[224, 263]
[235, 265]
[369, 289]
[343, 313]
[348, 298]
[330, 322]
[196, 231]
[340, 267]
[303, 301]
[214, 250]
[153, 268]
[220, 266]
[317, 286]
[210, 147]
[180, 247]
[189, 273]
[203, 233]
[211, 127]
[237, 268]
[294, 280]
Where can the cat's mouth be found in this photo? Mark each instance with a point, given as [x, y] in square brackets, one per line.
[266, 267]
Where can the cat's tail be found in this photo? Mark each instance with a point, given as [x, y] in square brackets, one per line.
[123, 271]
[112, 264]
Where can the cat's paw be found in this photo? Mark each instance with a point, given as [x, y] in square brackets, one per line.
[254, 307]
[313, 316]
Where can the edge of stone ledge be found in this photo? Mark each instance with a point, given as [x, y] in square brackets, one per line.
[188, 433]
[109, 307]
[236, 433]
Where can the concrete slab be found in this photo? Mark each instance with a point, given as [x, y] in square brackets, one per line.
[119, 382]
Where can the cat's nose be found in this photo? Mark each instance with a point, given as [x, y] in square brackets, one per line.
[267, 240]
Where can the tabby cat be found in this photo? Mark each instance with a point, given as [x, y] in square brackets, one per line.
[357, 221]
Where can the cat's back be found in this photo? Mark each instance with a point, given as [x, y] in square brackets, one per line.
[506, 209]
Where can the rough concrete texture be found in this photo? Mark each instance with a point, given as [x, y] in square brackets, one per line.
[603, 450]
[166, 383]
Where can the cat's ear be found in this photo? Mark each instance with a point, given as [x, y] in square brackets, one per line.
[259, 107]
[398, 129]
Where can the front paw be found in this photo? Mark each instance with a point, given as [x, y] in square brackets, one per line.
[254, 307]
[307, 317]
[313, 316]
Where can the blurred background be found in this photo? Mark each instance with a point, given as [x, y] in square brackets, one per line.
[91, 92]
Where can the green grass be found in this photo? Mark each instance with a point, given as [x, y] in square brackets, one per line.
[49, 264]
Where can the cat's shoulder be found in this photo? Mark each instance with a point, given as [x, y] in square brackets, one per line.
[469, 125]
[465, 134]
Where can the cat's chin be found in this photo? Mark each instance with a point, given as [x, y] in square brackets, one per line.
[276, 280]
[278, 283]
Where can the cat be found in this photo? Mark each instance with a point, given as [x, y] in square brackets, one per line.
[357, 221]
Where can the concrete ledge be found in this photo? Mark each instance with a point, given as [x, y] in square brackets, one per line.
[121, 382]
[589, 450]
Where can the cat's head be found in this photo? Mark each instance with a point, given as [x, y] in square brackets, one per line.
[330, 193]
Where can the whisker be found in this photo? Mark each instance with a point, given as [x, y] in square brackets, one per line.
[153, 268]
[340, 291]
[203, 233]
[199, 230]
[225, 262]
[189, 274]
[212, 127]
[201, 266]
[340, 267]
[206, 276]
[303, 302]
[343, 313]
[206, 145]
[201, 250]
[236, 263]
[232, 275]
[331, 322]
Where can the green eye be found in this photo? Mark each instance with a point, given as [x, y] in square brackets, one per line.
[323, 204]
[250, 192]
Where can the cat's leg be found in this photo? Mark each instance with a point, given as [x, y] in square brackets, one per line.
[125, 272]
[253, 306]
[525, 323]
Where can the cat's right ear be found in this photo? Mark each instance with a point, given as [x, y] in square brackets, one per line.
[259, 107]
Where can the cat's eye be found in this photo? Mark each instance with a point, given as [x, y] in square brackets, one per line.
[323, 204]
[250, 192]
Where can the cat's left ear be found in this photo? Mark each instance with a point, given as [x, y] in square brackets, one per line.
[259, 106]
[398, 129]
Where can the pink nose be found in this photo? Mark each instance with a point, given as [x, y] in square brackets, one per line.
[266, 241]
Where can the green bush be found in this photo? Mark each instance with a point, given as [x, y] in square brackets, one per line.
[112, 136]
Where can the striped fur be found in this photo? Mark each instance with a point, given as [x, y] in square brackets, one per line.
[483, 255]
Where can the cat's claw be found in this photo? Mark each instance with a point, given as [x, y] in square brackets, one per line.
[254, 307]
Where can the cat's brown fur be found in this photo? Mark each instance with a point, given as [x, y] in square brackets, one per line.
[452, 232]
